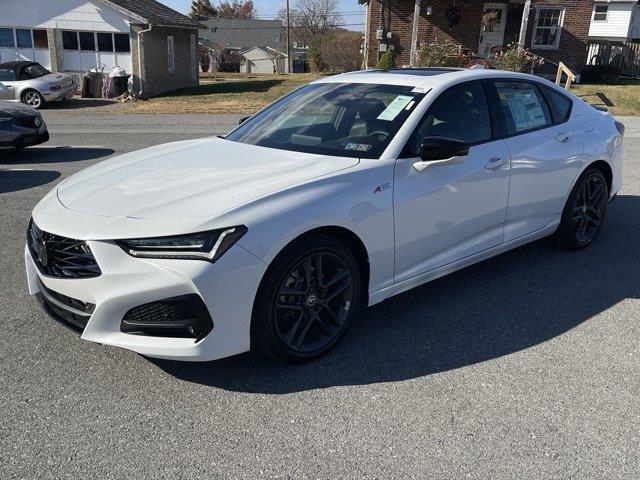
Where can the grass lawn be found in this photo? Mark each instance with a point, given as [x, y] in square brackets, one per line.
[237, 93]
[623, 99]
[226, 95]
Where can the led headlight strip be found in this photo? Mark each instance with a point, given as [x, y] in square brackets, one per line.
[209, 246]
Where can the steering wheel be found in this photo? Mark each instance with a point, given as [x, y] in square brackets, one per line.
[378, 133]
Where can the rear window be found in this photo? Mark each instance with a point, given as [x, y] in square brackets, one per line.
[523, 107]
[559, 105]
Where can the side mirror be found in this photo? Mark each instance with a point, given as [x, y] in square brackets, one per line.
[434, 149]
[243, 119]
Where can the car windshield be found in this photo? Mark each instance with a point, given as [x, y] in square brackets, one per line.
[34, 71]
[342, 119]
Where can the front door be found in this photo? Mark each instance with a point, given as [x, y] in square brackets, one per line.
[7, 83]
[494, 19]
[444, 213]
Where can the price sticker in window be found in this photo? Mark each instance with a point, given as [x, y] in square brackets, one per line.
[395, 107]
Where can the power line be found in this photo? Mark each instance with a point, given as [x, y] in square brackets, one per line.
[215, 29]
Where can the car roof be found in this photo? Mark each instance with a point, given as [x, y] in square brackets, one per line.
[17, 64]
[425, 77]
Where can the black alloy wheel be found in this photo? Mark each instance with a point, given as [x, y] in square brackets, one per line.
[588, 209]
[306, 300]
[584, 212]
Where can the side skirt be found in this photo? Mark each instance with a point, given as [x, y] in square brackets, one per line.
[408, 284]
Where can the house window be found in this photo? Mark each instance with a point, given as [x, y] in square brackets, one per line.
[121, 42]
[87, 41]
[547, 28]
[600, 13]
[171, 55]
[69, 40]
[105, 42]
[40, 39]
[23, 38]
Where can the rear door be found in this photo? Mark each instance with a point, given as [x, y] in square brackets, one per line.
[444, 213]
[545, 156]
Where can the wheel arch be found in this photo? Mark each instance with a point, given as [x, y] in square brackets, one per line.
[605, 169]
[352, 241]
[26, 90]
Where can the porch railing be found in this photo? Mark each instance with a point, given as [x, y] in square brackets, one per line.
[622, 55]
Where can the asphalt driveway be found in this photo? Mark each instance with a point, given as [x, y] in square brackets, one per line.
[524, 366]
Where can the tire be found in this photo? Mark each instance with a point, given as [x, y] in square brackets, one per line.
[297, 314]
[33, 98]
[584, 212]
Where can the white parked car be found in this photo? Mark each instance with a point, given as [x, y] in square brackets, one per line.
[349, 190]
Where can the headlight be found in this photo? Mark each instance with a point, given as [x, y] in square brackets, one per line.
[208, 246]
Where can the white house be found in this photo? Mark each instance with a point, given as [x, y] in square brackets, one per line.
[263, 60]
[615, 20]
[154, 43]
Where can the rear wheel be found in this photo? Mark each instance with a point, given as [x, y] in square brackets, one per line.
[306, 300]
[584, 212]
[33, 99]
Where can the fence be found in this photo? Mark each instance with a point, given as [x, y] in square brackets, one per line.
[625, 56]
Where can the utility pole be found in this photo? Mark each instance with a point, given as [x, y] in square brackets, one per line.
[288, 40]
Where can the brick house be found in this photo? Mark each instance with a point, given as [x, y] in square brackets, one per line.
[556, 30]
[152, 42]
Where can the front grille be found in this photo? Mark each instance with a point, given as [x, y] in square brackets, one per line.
[185, 316]
[69, 311]
[26, 122]
[61, 257]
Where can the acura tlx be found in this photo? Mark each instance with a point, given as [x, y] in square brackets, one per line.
[346, 191]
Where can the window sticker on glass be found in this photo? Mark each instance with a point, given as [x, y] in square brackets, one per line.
[360, 147]
[525, 108]
[395, 107]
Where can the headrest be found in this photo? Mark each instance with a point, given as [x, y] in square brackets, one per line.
[370, 108]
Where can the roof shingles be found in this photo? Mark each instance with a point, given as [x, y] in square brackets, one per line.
[153, 13]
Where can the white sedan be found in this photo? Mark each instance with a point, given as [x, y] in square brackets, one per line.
[347, 191]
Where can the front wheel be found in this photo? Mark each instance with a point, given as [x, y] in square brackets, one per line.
[33, 99]
[306, 300]
[584, 212]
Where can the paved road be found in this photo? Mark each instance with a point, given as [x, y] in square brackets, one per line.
[526, 365]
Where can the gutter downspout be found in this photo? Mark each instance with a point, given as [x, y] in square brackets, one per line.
[140, 57]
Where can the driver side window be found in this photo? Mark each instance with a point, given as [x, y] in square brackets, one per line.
[460, 113]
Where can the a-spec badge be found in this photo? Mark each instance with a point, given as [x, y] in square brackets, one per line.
[384, 186]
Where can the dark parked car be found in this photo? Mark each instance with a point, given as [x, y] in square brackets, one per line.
[21, 126]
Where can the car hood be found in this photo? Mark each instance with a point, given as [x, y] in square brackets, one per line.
[12, 108]
[191, 179]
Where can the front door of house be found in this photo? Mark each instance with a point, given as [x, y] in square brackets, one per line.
[494, 19]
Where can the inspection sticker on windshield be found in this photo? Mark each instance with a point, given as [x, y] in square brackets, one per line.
[360, 147]
[395, 107]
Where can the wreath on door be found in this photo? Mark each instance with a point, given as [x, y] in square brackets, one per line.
[453, 15]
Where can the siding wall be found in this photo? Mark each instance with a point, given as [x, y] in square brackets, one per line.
[617, 25]
[155, 60]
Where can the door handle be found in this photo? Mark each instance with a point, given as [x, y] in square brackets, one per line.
[495, 163]
[563, 137]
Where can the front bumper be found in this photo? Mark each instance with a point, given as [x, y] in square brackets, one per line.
[26, 140]
[227, 288]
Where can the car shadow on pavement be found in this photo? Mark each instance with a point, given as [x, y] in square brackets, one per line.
[15, 180]
[503, 305]
[52, 155]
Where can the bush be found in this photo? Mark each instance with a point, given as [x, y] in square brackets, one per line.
[607, 74]
[443, 55]
[387, 61]
[516, 59]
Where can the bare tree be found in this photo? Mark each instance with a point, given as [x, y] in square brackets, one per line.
[313, 18]
[340, 50]
[236, 9]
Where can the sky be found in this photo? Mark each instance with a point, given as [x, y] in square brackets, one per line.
[353, 15]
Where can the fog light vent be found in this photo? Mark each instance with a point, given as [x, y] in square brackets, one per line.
[185, 316]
